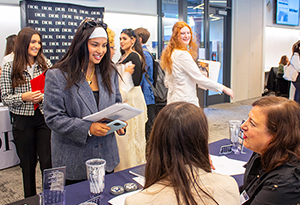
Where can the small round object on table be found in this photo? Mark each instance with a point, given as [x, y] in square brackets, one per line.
[117, 190]
[130, 186]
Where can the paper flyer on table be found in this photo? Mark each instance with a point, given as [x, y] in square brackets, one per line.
[227, 166]
[118, 111]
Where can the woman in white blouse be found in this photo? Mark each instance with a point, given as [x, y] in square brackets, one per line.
[295, 61]
[182, 73]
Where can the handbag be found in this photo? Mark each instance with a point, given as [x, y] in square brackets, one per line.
[290, 73]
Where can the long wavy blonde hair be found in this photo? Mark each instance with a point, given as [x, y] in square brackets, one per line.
[176, 43]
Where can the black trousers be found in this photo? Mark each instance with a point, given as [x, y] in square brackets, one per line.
[297, 86]
[32, 139]
[151, 117]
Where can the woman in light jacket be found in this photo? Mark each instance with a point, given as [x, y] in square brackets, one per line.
[178, 169]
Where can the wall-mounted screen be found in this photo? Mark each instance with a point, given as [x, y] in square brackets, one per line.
[287, 12]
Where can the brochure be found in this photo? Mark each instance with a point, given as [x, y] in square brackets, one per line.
[118, 111]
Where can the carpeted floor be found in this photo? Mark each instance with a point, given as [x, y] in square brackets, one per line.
[11, 187]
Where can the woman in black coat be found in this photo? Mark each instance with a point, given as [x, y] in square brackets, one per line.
[273, 172]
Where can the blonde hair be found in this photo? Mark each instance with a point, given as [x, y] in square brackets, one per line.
[111, 36]
[175, 43]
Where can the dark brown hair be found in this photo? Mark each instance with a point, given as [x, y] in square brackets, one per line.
[178, 143]
[283, 60]
[75, 61]
[10, 43]
[137, 46]
[296, 47]
[143, 33]
[21, 58]
[283, 123]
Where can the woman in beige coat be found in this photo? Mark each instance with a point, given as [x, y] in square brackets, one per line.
[178, 169]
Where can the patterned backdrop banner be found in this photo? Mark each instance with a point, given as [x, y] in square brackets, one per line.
[57, 23]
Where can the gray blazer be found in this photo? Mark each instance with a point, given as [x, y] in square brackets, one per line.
[64, 110]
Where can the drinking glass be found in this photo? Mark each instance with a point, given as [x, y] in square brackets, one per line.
[96, 174]
[234, 129]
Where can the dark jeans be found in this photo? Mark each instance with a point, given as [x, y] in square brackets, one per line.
[151, 118]
[32, 139]
[297, 86]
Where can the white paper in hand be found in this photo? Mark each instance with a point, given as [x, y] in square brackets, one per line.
[118, 111]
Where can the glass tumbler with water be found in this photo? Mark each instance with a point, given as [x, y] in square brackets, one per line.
[234, 129]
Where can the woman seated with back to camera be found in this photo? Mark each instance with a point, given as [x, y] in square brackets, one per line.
[178, 169]
[272, 132]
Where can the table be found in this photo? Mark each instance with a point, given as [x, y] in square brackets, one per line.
[8, 154]
[214, 149]
[78, 193]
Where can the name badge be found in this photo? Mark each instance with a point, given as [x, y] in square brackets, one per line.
[244, 197]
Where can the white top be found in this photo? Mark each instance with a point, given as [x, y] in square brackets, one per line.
[181, 83]
[30, 69]
[223, 189]
[7, 58]
[295, 61]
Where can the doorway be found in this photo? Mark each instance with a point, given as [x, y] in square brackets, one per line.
[219, 44]
[210, 21]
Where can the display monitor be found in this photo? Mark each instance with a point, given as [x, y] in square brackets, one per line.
[287, 12]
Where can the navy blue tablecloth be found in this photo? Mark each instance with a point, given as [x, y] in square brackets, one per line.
[214, 149]
[78, 193]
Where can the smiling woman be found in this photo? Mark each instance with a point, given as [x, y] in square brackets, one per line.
[185, 35]
[83, 82]
[256, 134]
[272, 131]
[30, 132]
[131, 66]
[182, 72]
[34, 47]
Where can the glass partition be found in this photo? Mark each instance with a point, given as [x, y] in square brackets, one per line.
[169, 18]
[195, 20]
[216, 38]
